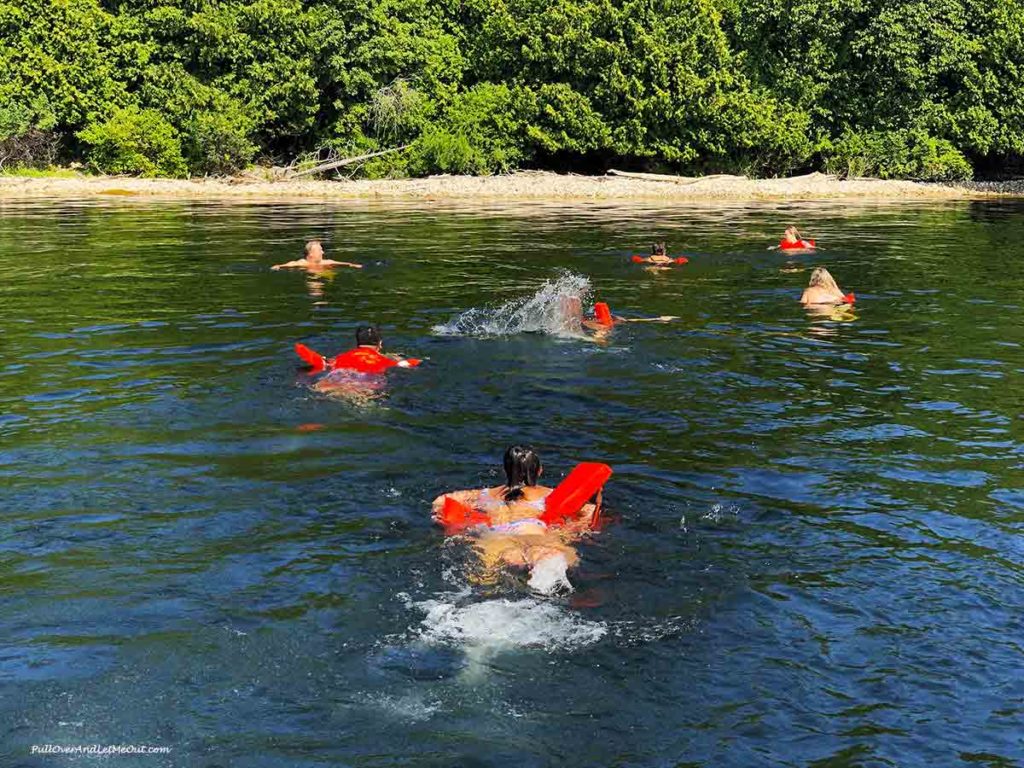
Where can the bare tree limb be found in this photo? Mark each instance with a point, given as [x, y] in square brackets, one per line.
[330, 166]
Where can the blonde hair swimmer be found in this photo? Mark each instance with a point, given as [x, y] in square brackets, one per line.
[822, 289]
[793, 241]
[313, 260]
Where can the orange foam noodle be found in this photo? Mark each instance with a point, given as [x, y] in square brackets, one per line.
[311, 358]
[456, 516]
[603, 313]
[579, 487]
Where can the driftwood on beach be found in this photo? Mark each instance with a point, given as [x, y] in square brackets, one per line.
[669, 178]
[664, 177]
[331, 165]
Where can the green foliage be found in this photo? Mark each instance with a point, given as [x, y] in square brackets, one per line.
[912, 88]
[897, 155]
[877, 76]
[218, 140]
[482, 132]
[137, 141]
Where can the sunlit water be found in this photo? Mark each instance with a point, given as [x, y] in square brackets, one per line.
[814, 555]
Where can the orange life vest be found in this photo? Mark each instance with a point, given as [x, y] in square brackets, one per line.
[363, 360]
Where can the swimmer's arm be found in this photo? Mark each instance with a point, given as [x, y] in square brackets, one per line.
[658, 319]
[297, 263]
[333, 263]
[404, 362]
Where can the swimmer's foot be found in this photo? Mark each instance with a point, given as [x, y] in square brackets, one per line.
[549, 576]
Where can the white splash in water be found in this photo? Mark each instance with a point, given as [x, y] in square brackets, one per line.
[410, 707]
[554, 309]
[549, 575]
[497, 625]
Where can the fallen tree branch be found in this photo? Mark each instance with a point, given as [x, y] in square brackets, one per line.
[346, 161]
[668, 178]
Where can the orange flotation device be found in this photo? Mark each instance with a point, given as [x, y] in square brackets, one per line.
[603, 313]
[360, 359]
[799, 245]
[584, 482]
[849, 298]
[581, 485]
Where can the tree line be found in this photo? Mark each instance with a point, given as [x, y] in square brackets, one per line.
[924, 89]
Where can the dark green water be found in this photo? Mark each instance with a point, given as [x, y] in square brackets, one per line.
[815, 557]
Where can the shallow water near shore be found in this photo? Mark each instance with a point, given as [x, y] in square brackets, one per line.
[813, 553]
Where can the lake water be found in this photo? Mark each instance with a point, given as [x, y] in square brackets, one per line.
[814, 554]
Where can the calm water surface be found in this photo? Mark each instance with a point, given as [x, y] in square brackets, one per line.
[815, 557]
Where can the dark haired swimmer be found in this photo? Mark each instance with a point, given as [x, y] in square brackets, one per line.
[366, 357]
[659, 257]
[313, 260]
[514, 532]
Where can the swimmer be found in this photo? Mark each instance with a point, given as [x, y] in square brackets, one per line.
[314, 261]
[366, 357]
[660, 258]
[822, 289]
[515, 535]
[603, 320]
[792, 240]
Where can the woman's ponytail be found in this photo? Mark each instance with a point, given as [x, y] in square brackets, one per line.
[522, 468]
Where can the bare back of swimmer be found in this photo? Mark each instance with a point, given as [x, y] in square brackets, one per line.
[822, 289]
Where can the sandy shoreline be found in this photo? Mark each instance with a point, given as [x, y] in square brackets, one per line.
[522, 186]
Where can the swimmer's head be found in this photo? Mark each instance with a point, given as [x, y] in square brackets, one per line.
[822, 278]
[368, 336]
[522, 469]
[571, 312]
[657, 249]
[313, 251]
[792, 234]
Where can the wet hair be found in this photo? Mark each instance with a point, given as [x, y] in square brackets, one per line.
[309, 247]
[657, 249]
[822, 278]
[367, 335]
[522, 468]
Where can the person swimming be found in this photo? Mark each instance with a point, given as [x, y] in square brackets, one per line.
[822, 289]
[313, 260]
[602, 321]
[659, 257]
[366, 357]
[514, 533]
[792, 240]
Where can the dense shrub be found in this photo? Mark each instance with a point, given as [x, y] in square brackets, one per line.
[133, 140]
[482, 132]
[897, 155]
[27, 135]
